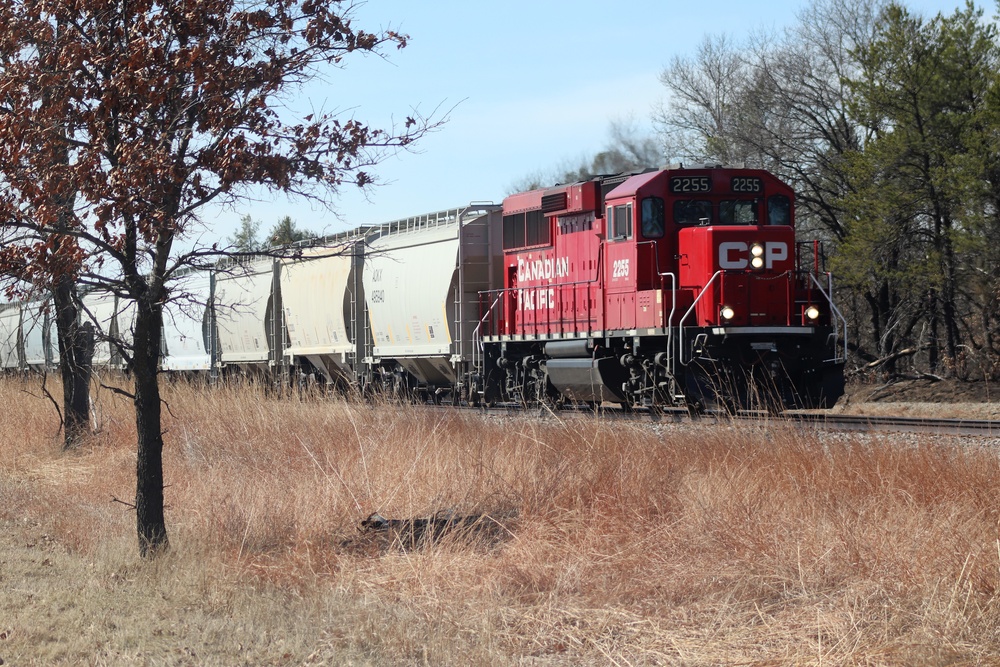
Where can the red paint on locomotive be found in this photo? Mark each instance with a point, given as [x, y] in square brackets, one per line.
[641, 257]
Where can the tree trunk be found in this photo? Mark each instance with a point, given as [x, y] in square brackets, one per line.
[880, 305]
[934, 347]
[150, 523]
[76, 352]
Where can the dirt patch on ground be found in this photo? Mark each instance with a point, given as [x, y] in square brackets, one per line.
[923, 398]
[924, 391]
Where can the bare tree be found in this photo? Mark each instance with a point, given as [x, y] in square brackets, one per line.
[781, 102]
[628, 148]
[165, 107]
[697, 123]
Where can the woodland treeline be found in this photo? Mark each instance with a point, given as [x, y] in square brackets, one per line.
[888, 126]
[887, 123]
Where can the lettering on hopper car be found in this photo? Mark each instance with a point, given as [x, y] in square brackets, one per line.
[542, 269]
[735, 255]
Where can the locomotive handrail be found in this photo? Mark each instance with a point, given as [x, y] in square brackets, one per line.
[680, 324]
[670, 318]
[828, 296]
[477, 338]
[673, 302]
[834, 311]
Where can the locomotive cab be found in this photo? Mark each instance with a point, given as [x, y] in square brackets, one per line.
[640, 254]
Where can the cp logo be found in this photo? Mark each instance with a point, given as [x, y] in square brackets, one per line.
[741, 255]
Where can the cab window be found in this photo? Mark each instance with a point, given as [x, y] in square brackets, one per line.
[652, 217]
[779, 210]
[692, 212]
[622, 222]
[738, 212]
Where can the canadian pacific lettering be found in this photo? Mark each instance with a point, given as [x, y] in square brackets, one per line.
[536, 299]
[542, 269]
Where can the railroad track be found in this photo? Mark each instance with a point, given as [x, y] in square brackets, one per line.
[971, 427]
[820, 420]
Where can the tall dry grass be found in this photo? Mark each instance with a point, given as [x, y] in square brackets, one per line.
[612, 543]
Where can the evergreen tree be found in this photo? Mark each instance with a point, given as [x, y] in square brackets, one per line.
[245, 238]
[286, 232]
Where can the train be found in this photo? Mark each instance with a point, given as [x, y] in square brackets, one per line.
[683, 286]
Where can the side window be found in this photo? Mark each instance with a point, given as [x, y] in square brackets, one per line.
[779, 210]
[623, 222]
[738, 212]
[692, 212]
[652, 217]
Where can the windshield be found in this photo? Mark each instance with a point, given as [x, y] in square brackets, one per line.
[738, 212]
[692, 212]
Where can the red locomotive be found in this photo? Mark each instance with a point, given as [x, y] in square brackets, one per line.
[683, 285]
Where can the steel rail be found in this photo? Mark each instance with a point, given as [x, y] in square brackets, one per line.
[868, 423]
[819, 420]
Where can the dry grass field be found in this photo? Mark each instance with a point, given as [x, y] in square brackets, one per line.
[590, 542]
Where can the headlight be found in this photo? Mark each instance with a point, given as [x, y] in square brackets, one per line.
[812, 313]
[757, 256]
[727, 313]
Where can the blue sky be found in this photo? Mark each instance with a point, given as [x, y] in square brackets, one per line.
[530, 85]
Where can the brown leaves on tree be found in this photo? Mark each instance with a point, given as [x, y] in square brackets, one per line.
[119, 121]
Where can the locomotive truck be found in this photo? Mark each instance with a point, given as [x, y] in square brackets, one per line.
[677, 286]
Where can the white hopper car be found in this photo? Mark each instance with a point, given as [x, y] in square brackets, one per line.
[392, 307]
